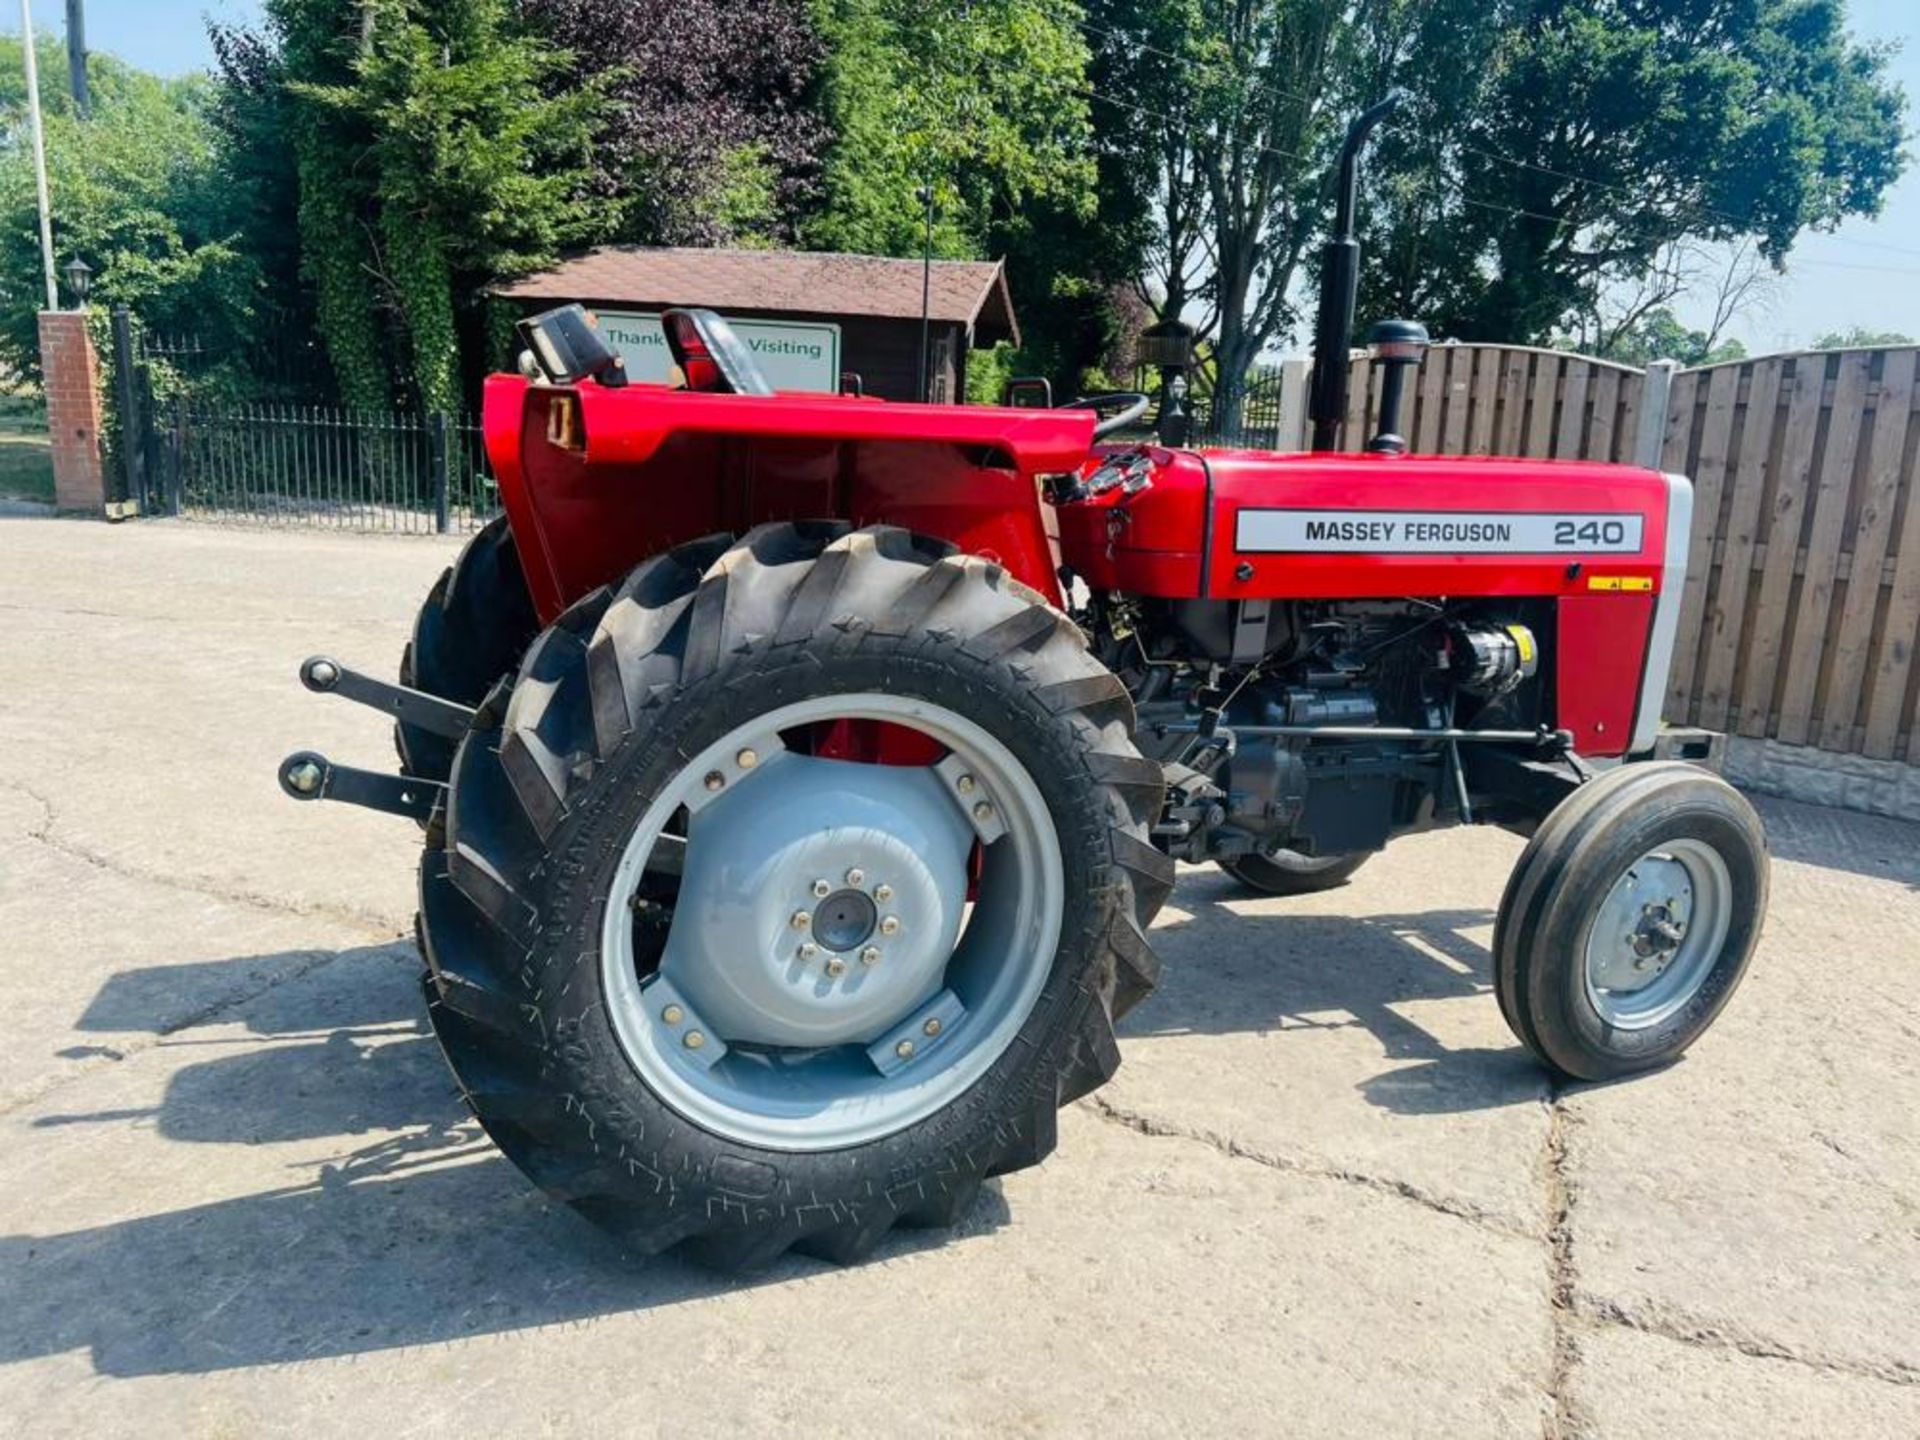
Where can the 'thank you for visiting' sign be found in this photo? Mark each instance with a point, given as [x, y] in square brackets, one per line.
[794, 355]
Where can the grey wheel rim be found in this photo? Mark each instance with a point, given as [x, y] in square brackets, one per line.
[826, 980]
[1658, 934]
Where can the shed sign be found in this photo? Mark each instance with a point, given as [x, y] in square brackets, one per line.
[794, 355]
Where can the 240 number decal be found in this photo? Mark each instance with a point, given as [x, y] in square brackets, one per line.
[1612, 534]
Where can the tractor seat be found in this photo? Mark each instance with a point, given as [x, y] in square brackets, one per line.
[710, 356]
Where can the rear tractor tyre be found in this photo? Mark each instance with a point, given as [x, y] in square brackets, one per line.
[793, 888]
[475, 625]
[1288, 872]
[1630, 919]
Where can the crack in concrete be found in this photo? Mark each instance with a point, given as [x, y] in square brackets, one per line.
[213, 1010]
[1450, 1206]
[44, 834]
[1666, 1323]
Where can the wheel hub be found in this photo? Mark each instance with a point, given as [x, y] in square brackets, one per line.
[845, 919]
[1646, 910]
[1655, 936]
[819, 902]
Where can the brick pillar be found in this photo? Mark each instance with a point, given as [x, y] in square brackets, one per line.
[74, 411]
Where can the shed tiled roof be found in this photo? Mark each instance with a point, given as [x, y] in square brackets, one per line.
[793, 282]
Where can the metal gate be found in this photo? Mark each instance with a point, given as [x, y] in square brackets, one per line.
[186, 449]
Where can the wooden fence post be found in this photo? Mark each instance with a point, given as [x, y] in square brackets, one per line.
[1655, 396]
[1291, 429]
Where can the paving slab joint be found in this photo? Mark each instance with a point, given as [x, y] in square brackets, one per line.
[1564, 1419]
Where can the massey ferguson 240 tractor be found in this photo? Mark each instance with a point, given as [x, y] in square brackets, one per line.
[796, 809]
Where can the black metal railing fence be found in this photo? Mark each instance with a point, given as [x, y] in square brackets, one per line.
[318, 466]
[1262, 409]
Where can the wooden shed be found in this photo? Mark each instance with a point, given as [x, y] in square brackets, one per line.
[810, 316]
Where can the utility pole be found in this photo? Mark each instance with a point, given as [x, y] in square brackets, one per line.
[77, 59]
[39, 152]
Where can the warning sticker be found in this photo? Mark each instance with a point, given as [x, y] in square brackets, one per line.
[1440, 532]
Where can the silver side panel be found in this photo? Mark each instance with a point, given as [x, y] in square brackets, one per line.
[1666, 616]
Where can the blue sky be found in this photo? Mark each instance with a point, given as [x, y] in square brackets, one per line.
[1866, 274]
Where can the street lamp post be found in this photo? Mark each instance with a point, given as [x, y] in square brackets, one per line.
[39, 153]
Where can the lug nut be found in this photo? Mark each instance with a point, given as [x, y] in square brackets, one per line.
[673, 1014]
[983, 811]
[883, 893]
[932, 1027]
[964, 784]
[890, 925]
[715, 780]
[747, 759]
[822, 889]
[304, 777]
[904, 1049]
[836, 967]
[856, 877]
[693, 1040]
[870, 955]
[807, 950]
[801, 920]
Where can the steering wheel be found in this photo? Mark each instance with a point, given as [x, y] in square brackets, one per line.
[710, 355]
[1131, 406]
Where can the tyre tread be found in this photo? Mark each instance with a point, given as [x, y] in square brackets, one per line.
[670, 625]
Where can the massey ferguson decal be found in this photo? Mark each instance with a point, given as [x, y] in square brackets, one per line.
[1423, 532]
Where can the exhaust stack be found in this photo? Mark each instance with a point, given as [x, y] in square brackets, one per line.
[1339, 284]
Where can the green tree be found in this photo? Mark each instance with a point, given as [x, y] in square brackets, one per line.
[1550, 150]
[984, 101]
[1659, 334]
[1859, 337]
[1566, 144]
[436, 148]
[137, 193]
[1222, 117]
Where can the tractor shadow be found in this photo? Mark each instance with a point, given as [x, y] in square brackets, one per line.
[1289, 966]
[412, 1230]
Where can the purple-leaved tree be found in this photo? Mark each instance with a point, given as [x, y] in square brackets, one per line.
[713, 138]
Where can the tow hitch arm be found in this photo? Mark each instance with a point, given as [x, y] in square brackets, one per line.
[308, 775]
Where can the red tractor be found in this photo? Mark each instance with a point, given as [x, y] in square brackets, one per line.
[796, 805]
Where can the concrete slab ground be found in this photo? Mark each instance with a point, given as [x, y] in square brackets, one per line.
[1326, 1194]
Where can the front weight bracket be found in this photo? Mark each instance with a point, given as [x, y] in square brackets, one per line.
[327, 676]
[307, 775]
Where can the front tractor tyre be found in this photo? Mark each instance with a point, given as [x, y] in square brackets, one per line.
[789, 892]
[1630, 919]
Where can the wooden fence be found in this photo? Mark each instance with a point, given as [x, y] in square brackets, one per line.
[1801, 615]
